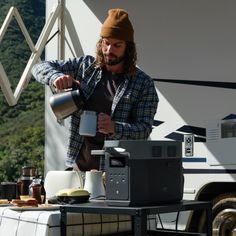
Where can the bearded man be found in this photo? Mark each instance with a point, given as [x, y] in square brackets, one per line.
[122, 95]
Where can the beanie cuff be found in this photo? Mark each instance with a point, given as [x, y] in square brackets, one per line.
[117, 33]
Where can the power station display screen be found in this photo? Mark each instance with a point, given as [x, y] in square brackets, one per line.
[117, 161]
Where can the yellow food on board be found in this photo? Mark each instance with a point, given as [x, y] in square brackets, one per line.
[72, 192]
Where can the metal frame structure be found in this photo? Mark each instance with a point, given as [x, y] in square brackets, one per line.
[56, 13]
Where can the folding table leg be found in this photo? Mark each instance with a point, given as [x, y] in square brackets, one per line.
[139, 225]
[63, 222]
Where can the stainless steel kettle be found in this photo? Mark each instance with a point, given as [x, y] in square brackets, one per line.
[65, 103]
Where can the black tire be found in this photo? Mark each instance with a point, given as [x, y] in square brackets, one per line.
[224, 216]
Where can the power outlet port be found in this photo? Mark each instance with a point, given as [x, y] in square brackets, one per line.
[188, 144]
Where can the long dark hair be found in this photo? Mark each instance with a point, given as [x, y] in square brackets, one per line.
[129, 59]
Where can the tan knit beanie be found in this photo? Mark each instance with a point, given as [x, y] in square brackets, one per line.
[117, 25]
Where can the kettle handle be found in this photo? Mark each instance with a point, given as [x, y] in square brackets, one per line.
[75, 85]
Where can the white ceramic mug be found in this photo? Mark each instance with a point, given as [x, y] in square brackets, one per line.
[88, 123]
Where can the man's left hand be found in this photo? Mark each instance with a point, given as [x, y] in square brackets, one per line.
[104, 124]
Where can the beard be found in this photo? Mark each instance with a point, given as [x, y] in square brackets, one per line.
[114, 60]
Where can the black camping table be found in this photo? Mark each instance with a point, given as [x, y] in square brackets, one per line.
[139, 214]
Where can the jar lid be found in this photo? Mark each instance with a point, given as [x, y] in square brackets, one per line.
[8, 183]
[29, 167]
[27, 178]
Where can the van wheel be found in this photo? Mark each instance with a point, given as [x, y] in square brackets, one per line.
[223, 214]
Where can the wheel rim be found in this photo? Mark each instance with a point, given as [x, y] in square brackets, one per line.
[224, 224]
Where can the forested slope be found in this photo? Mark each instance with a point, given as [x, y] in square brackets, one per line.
[21, 126]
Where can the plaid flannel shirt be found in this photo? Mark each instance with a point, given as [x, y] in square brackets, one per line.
[133, 107]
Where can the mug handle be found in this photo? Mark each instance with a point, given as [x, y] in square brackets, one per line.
[78, 172]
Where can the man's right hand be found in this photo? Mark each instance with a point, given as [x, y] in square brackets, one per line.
[65, 82]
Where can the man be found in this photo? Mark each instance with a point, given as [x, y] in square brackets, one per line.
[123, 96]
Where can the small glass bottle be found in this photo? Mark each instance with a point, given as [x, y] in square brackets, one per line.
[35, 190]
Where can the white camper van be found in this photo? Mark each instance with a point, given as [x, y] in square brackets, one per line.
[188, 48]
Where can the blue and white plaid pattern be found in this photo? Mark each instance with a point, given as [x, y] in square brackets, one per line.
[133, 108]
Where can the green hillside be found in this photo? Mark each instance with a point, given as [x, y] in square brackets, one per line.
[21, 126]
